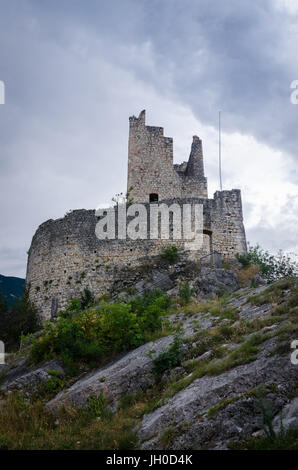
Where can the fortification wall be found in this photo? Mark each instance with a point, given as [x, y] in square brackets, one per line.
[228, 233]
[66, 256]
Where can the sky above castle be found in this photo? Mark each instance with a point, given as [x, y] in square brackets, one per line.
[75, 70]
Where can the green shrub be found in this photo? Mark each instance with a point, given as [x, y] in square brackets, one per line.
[97, 333]
[150, 309]
[87, 298]
[168, 359]
[170, 254]
[185, 293]
[53, 385]
[22, 320]
[74, 305]
[97, 404]
[271, 267]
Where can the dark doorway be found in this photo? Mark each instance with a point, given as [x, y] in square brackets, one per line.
[153, 197]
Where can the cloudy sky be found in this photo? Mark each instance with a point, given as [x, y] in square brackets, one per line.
[75, 70]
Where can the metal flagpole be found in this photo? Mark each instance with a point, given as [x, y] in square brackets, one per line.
[219, 149]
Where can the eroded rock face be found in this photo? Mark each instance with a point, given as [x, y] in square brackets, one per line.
[212, 282]
[130, 374]
[187, 412]
[21, 377]
[288, 416]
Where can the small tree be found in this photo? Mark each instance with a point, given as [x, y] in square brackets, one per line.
[22, 319]
[272, 267]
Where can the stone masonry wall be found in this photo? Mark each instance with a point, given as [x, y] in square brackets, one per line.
[65, 255]
[151, 169]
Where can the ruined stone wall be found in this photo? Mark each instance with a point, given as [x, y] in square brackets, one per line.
[151, 169]
[228, 233]
[66, 256]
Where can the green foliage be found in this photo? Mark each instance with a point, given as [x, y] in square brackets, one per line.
[21, 320]
[168, 359]
[97, 404]
[53, 385]
[98, 332]
[74, 305]
[150, 309]
[271, 267]
[170, 254]
[87, 298]
[126, 401]
[26, 424]
[276, 293]
[212, 412]
[185, 293]
[3, 304]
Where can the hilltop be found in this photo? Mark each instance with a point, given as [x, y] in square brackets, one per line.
[202, 372]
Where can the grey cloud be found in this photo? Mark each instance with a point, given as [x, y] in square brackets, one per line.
[75, 70]
[209, 55]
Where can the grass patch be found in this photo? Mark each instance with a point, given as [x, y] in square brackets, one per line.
[27, 425]
[167, 436]
[283, 441]
[275, 293]
[212, 412]
[244, 354]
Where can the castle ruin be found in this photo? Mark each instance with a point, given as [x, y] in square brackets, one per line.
[66, 256]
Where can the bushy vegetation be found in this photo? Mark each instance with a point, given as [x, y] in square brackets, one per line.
[87, 298]
[113, 327]
[98, 332]
[277, 294]
[21, 319]
[170, 254]
[185, 293]
[168, 359]
[271, 267]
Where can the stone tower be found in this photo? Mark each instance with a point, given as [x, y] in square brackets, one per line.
[152, 176]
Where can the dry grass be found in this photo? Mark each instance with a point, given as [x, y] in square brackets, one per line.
[25, 425]
[245, 275]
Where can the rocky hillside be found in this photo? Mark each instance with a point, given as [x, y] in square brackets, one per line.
[217, 375]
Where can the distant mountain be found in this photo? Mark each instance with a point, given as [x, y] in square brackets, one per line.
[11, 288]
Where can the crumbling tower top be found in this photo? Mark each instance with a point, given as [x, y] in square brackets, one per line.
[151, 173]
